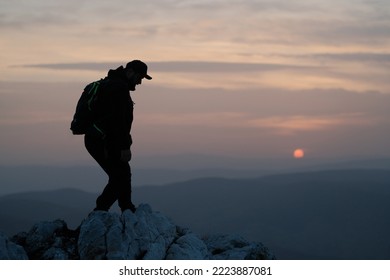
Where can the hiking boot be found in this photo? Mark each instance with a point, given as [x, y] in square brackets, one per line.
[132, 208]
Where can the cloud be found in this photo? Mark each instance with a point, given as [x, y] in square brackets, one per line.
[296, 22]
[375, 57]
[178, 66]
[299, 123]
[276, 112]
[281, 125]
[353, 71]
[203, 66]
[201, 119]
[93, 66]
[38, 13]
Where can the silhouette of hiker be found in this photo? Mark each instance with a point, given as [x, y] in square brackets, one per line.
[109, 139]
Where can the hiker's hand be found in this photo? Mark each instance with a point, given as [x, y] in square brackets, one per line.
[125, 155]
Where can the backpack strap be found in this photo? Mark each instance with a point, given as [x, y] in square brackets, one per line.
[92, 93]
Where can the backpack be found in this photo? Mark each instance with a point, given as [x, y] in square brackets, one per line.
[85, 114]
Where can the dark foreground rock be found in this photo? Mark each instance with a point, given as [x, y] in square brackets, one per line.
[143, 235]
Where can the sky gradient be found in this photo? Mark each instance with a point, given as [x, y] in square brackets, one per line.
[253, 79]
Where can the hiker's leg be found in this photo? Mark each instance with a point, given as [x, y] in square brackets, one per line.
[124, 188]
[110, 192]
[96, 148]
[106, 198]
[118, 187]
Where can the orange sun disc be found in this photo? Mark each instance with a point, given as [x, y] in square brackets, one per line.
[299, 153]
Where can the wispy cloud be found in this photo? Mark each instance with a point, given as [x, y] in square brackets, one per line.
[39, 14]
[208, 119]
[378, 57]
[281, 125]
[374, 57]
[178, 66]
[299, 123]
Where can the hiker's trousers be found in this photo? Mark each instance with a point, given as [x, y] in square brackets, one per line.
[119, 174]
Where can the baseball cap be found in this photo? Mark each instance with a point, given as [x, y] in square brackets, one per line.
[139, 67]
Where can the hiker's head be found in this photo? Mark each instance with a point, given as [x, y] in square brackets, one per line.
[136, 70]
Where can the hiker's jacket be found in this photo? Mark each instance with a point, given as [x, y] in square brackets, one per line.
[114, 110]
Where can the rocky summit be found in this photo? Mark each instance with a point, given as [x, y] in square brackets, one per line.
[143, 235]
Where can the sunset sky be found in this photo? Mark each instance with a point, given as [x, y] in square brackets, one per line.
[245, 79]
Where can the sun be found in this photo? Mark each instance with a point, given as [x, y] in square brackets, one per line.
[299, 153]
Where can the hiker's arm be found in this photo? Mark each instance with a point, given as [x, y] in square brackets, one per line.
[120, 120]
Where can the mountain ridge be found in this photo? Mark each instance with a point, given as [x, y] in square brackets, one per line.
[86, 176]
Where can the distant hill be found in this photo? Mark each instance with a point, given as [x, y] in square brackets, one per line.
[15, 179]
[18, 212]
[335, 214]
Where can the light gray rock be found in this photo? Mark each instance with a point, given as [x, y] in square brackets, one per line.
[188, 247]
[143, 235]
[100, 236]
[155, 232]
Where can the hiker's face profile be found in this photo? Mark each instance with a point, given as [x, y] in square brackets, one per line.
[134, 79]
[138, 79]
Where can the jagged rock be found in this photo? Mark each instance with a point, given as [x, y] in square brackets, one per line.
[234, 247]
[48, 241]
[188, 247]
[145, 234]
[11, 251]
